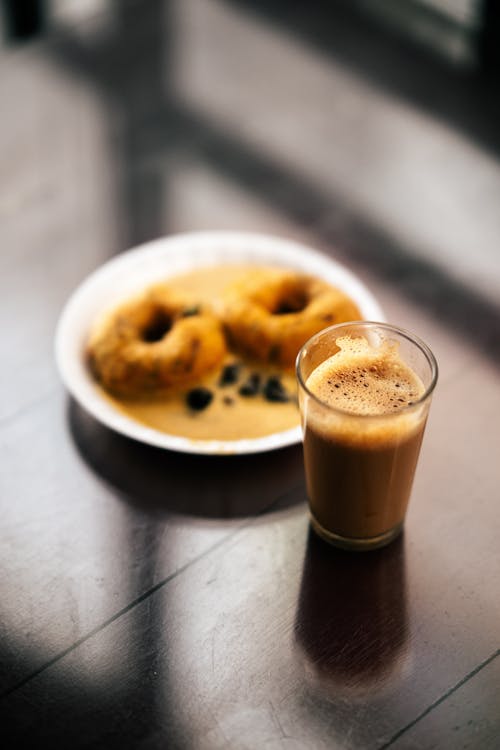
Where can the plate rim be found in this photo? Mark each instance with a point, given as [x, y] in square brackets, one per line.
[87, 394]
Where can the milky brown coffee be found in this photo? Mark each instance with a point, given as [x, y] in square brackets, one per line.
[362, 438]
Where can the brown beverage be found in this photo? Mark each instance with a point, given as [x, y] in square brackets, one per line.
[364, 416]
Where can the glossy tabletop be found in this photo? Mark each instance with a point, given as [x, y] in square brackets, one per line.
[150, 599]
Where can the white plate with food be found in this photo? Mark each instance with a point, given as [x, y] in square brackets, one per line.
[245, 402]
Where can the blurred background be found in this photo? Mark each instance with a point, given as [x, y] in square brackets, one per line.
[369, 128]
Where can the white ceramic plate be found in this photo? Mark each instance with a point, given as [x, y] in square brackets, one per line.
[170, 256]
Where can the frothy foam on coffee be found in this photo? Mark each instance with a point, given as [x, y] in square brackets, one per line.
[365, 380]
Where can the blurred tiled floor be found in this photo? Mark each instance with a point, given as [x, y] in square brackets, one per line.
[411, 149]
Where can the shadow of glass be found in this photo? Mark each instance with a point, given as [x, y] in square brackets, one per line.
[352, 621]
[163, 482]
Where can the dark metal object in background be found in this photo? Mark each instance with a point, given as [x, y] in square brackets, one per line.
[23, 18]
[489, 40]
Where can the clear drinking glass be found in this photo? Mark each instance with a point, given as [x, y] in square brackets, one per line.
[360, 466]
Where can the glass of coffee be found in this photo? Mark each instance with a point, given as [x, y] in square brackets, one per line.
[364, 394]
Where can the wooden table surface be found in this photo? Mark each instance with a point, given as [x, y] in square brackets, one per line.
[156, 600]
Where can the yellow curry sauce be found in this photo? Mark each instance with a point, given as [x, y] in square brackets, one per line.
[229, 416]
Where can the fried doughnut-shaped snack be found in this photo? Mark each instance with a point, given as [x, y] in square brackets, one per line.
[154, 342]
[271, 313]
